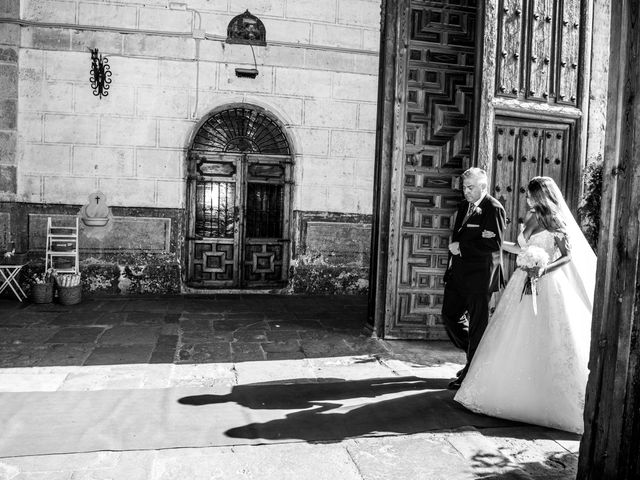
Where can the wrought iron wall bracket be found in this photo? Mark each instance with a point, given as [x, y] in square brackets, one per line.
[100, 74]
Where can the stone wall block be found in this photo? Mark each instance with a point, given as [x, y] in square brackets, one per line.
[10, 34]
[359, 12]
[312, 198]
[367, 116]
[287, 109]
[103, 161]
[67, 189]
[127, 131]
[336, 36]
[316, 141]
[45, 158]
[364, 201]
[274, 8]
[307, 83]
[8, 179]
[165, 20]
[204, 5]
[31, 126]
[312, 10]
[174, 73]
[355, 87]
[280, 56]
[210, 99]
[125, 192]
[50, 11]
[120, 101]
[46, 38]
[158, 46]
[170, 194]
[71, 66]
[162, 102]
[208, 76]
[46, 97]
[60, 128]
[30, 186]
[217, 23]
[8, 80]
[213, 51]
[366, 64]
[352, 144]
[174, 133]
[107, 43]
[287, 31]
[371, 40]
[156, 163]
[263, 83]
[133, 71]
[342, 199]
[328, 171]
[364, 173]
[329, 60]
[8, 147]
[9, 55]
[107, 15]
[324, 113]
[8, 114]
[9, 8]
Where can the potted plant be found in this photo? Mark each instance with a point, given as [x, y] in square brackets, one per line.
[42, 286]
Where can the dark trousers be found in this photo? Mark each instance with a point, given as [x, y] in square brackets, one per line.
[465, 317]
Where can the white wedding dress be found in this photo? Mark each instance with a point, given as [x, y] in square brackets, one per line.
[533, 368]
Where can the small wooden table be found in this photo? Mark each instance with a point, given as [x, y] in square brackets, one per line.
[9, 278]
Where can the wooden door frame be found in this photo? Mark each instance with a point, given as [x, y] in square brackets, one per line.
[389, 153]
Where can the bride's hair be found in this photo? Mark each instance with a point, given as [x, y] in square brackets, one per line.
[546, 199]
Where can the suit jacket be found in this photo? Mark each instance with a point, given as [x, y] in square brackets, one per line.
[478, 268]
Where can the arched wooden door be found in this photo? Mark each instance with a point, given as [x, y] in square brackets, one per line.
[239, 201]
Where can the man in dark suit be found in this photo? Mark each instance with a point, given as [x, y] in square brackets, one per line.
[475, 266]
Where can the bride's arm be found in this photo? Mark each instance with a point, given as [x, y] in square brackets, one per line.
[510, 247]
[565, 253]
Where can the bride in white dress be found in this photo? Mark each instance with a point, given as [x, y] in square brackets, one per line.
[532, 367]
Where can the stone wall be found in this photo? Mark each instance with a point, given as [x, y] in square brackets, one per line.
[318, 74]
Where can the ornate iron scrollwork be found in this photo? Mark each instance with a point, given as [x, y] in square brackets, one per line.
[246, 28]
[100, 74]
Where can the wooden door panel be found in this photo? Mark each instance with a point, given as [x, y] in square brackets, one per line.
[440, 80]
[568, 63]
[508, 77]
[541, 27]
[555, 159]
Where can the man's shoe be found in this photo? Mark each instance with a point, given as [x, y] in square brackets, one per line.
[459, 373]
[455, 384]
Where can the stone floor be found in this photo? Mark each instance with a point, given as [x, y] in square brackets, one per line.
[149, 342]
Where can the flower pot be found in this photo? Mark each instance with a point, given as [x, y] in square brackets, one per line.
[42, 292]
[69, 295]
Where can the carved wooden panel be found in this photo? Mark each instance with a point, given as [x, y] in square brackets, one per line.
[538, 50]
[510, 41]
[569, 59]
[541, 23]
[440, 100]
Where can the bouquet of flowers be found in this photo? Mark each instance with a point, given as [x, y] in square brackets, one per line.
[532, 260]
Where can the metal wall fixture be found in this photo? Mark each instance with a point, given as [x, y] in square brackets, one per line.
[249, 30]
[100, 74]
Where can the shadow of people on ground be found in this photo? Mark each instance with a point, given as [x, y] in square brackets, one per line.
[331, 410]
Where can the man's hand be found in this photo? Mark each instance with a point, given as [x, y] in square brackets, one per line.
[454, 248]
[488, 234]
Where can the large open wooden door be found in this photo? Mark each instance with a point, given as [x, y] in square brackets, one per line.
[432, 130]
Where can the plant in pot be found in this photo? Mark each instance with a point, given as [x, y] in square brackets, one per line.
[42, 286]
